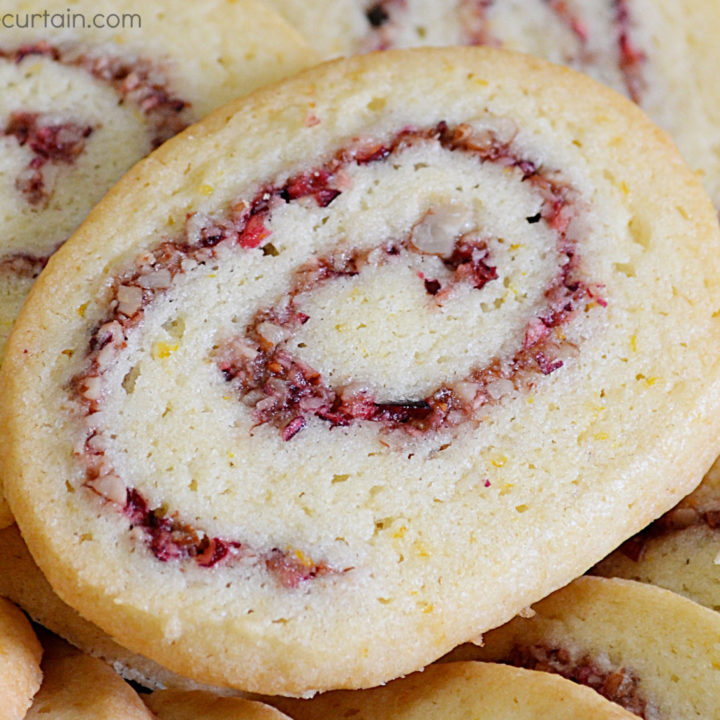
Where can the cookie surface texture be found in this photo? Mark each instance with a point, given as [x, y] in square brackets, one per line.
[80, 105]
[482, 691]
[661, 53]
[373, 360]
[648, 649]
[20, 654]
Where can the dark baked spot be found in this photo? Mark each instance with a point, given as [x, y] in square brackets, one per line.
[432, 287]
[377, 15]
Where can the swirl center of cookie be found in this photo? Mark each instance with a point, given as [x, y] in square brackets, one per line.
[360, 327]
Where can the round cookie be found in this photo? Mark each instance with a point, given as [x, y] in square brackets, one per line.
[78, 687]
[661, 53]
[80, 105]
[456, 691]
[20, 654]
[681, 550]
[189, 705]
[22, 582]
[363, 371]
[650, 650]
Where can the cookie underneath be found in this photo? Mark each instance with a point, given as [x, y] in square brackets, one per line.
[20, 654]
[82, 688]
[189, 705]
[651, 651]
[456, 691]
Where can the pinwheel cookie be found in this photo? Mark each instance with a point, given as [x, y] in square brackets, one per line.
[654, 652]
[661, 53]
[679, 551]
[20, 653]
[80, 105]
[370, 361]
[456, 691]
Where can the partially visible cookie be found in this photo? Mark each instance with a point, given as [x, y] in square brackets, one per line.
[458, 691]
[78, 687]
[80, 104]
[196, 705]
[650, 650]
[679, 551]
[22, 582]
[20, 653]
[661, 53]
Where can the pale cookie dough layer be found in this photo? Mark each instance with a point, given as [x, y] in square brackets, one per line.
[22, 582]
[650, 650]
[179, 705]
[79, 687]
[199, 470]
[457, 691]
[663, 54]
[681, 550]
[20, 654]
[80, 105]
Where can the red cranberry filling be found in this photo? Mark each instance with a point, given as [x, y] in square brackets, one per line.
[49, 142]
[24, 264]
[569, 18]
[619, 685]
[170, 539]
[61, 143]
[631, 57]
[281, 388]
[135, 81]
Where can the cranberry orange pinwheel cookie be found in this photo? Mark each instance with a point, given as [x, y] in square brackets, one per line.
[80, 105]
[648, 649]
[456, 691]
[184, 705]
[20, 653]
[661, 53]
[363, 364]
[679, 551]
[79, 687]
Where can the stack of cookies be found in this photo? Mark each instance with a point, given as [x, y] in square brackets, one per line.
[244, 461]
